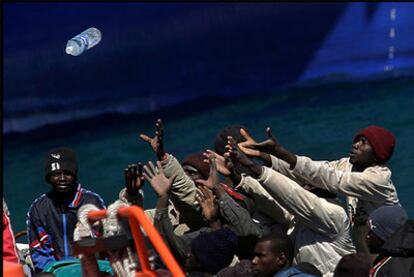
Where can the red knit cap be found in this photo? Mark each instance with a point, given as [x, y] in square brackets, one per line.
[382, 141]
[196, 160]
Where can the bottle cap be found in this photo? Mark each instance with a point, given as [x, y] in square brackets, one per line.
[69, 50]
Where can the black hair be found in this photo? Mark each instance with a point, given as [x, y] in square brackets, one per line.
[221, 138]
[280, 242]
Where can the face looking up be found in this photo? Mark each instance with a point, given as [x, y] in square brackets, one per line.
[362, 154]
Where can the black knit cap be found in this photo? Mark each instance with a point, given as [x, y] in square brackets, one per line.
[61, 158]
[215, 250]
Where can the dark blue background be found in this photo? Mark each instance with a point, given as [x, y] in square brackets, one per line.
[154, 54]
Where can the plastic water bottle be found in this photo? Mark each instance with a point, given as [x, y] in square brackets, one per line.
[84, 41]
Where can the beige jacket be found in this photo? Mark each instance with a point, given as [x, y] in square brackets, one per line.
[320, 227]
[264, 202]
[183, 194]
[365, 190]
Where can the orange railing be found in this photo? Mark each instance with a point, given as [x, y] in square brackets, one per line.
[12, 269]
[136, 218]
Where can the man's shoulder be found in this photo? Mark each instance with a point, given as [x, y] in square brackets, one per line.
[379, 168]
[381, 174]
[91, 196]
[90, 193]
[39, 203]
[40, 200]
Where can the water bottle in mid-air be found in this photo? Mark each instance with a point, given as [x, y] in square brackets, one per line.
[84, 41]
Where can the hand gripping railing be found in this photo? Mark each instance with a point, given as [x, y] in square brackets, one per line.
[136, 217]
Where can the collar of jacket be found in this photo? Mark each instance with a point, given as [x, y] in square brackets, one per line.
[68, 203]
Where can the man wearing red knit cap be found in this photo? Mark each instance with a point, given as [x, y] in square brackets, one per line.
[363, 176]
[381, 140]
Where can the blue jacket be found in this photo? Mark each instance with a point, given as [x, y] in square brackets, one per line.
[50, 226]
[293, 271]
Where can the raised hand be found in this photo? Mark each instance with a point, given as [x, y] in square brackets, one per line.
[238, 157]
[273, 147]
[134, 179]
[207, 201]
[156, 142]
[159, 182]
[213, 179]
[224, 166]
[245, 146]
[270, 146]
[252, 148]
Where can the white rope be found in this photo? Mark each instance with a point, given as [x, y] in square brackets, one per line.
[122, 260]
[84, 230]
[83, 227]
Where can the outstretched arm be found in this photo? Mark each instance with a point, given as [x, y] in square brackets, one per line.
[246, 148]
[183, 193]
[183, 190]
[238, 157]
[238, 217]
[264, 202]
[224, 166]
[156, 142]
[271, 146]
[162, 186]
[373, 184]
[315, 212]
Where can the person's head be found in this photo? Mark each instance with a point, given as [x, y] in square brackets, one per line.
[61, 169]
[221, 138]
[195, 167]
[212, 251]
[382, 223]
[272, 253]
[373, 145]
[356, 264]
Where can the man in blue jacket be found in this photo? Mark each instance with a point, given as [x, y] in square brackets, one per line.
[52, 217]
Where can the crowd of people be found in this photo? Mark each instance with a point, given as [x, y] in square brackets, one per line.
[246, 208]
